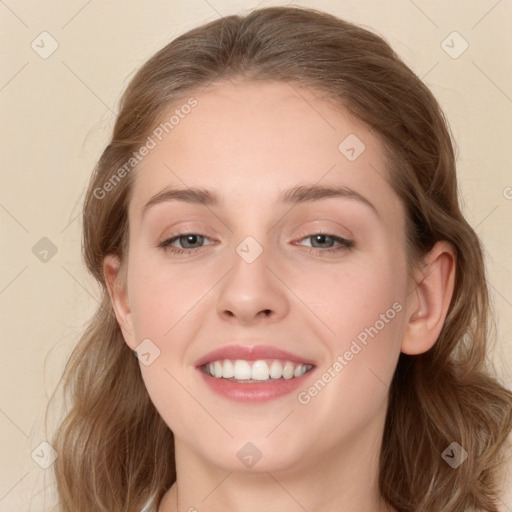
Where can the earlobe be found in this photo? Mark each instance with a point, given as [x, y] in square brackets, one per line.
[428, 303]
[117, 290]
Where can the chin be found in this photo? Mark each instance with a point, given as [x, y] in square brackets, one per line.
[255, 455]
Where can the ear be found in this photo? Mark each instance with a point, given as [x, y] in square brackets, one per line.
[115, 277]
[427, 305]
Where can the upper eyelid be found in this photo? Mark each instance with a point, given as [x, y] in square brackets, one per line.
[312, 230]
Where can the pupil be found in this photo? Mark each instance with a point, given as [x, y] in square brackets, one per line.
[191, 239]
[321, 238]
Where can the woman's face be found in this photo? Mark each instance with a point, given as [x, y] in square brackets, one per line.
[257, 281]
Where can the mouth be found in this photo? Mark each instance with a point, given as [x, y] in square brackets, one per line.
[254, 373]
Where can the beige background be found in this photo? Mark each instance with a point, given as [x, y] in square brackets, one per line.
[56, 117]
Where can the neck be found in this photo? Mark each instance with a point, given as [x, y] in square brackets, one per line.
[346, 481]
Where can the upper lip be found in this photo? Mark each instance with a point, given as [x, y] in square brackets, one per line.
[251, 353]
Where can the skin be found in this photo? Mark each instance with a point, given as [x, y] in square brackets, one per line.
[249, 142]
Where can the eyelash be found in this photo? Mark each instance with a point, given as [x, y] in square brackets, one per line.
[344, 244]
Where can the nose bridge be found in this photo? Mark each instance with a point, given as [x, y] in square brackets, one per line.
[250, 266]
[250, 250]
[251, 234]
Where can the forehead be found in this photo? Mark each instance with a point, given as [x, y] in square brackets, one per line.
[253, 140]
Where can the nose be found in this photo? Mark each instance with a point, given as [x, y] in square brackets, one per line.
[252, 292]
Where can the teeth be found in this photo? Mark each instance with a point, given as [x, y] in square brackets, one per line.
[242, 370]
[255, 370]
[260, 370]
[217, 369]
[276, 370]
[228, 370]
[288, 370]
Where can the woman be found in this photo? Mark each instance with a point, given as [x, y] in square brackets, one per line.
[294, 309]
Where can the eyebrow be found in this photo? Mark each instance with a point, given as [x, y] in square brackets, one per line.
[295, 195]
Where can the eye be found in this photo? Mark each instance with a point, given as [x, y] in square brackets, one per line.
[189, 242]
[326, 238]
[186, 240]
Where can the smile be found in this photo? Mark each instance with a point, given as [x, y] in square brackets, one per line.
[253, 373]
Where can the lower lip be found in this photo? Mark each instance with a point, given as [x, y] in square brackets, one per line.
[254, 391]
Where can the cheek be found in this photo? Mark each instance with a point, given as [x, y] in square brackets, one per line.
[161, 295]
[342, 299]
[355, 297]
[364, 309]
[352, 384]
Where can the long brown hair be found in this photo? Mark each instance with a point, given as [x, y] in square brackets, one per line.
[116, 452]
